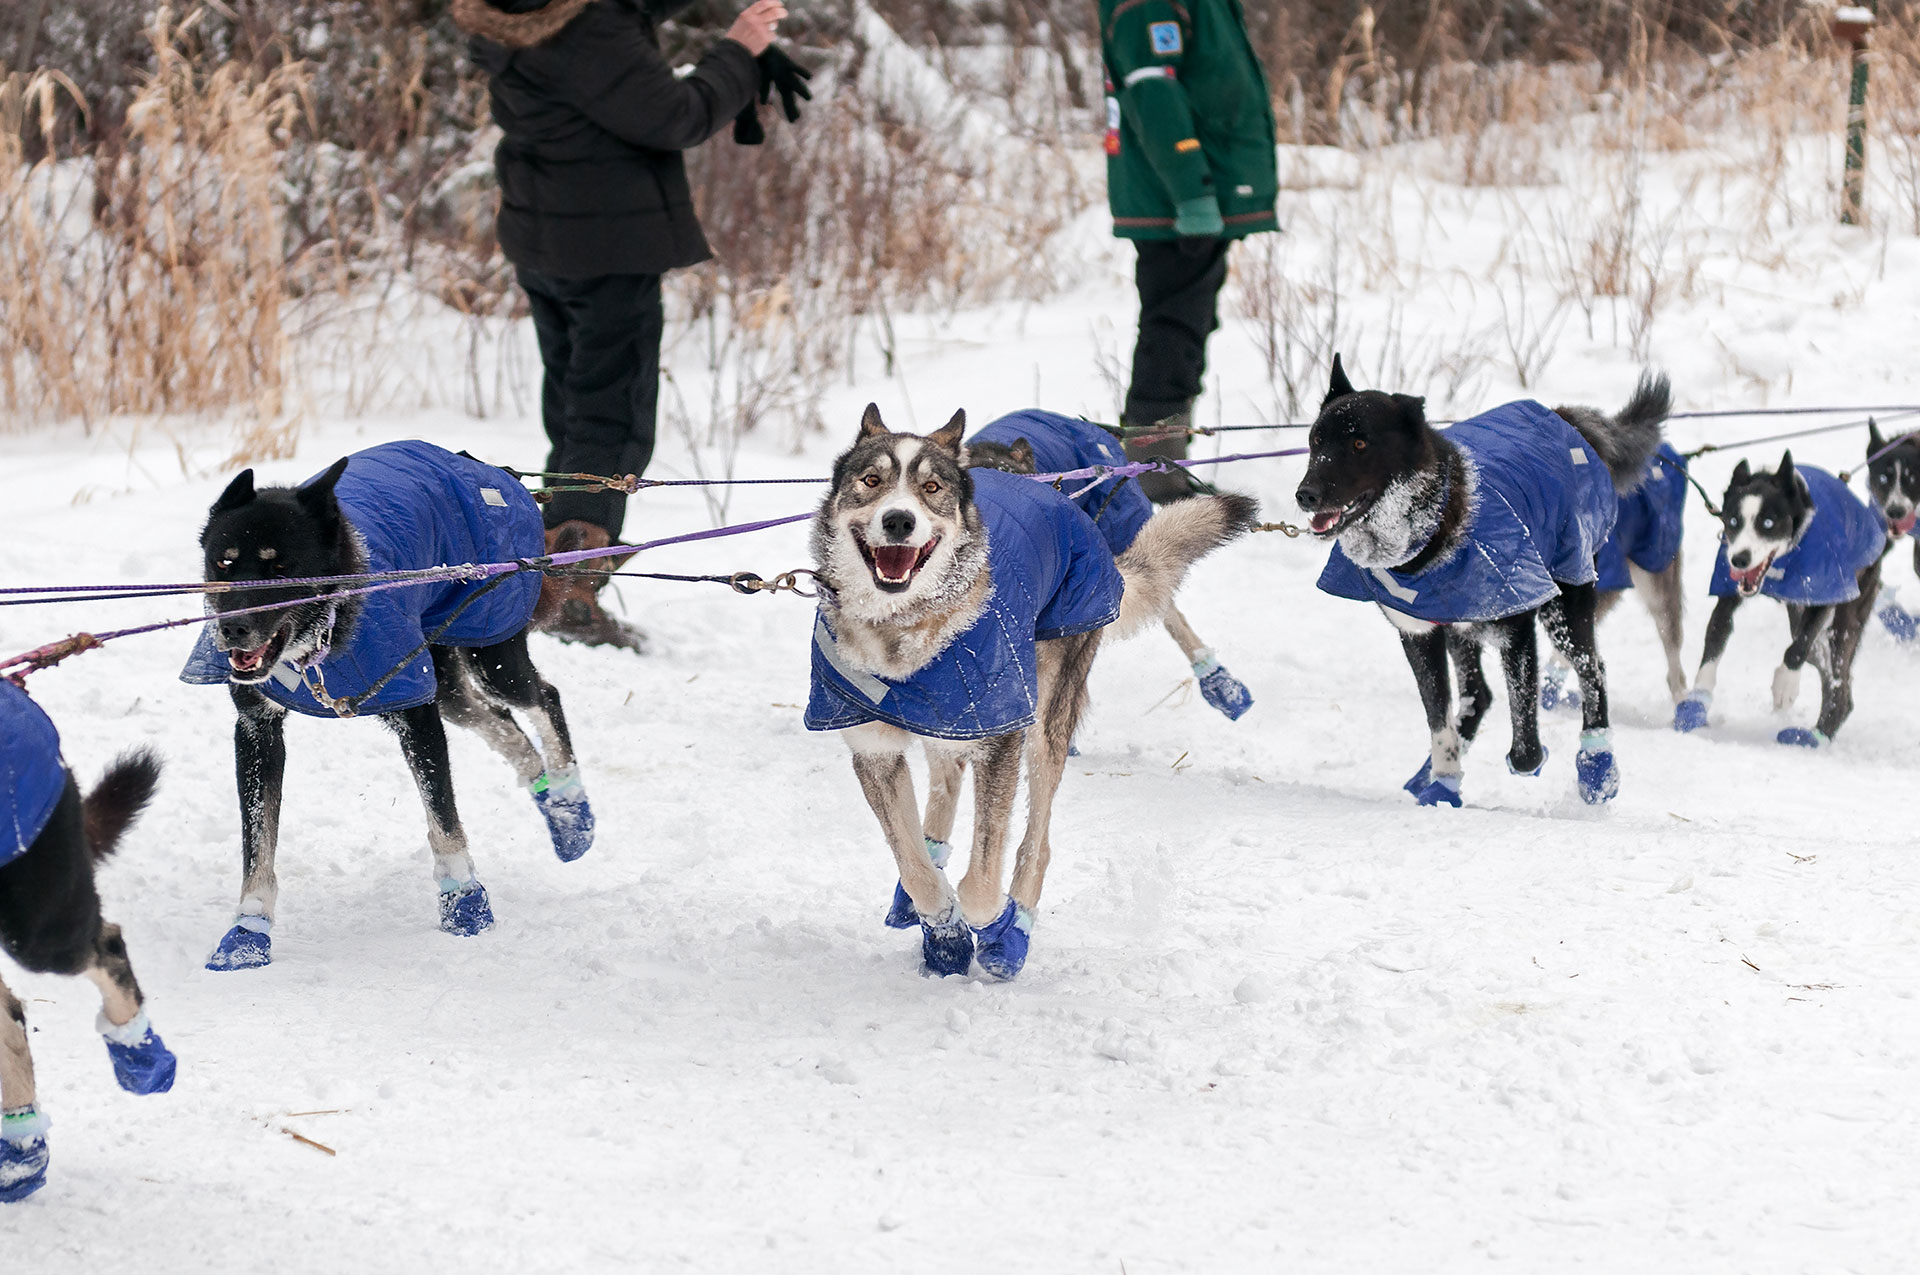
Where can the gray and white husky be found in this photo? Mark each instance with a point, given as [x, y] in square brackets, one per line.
[903, 552]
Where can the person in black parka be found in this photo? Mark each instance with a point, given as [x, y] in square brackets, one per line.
[594, 208]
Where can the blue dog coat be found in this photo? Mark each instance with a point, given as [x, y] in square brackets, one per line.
[31, 769]
[1061, 443]
[415, 505]
[1647, 533]
[1542, 506]
[1052, 576]
[1844, 537]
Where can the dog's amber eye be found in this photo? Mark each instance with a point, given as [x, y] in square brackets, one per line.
[1359, 444]
[930, 486]
[871, 480]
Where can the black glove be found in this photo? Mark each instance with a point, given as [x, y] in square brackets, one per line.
[747, 129]
[778, 71]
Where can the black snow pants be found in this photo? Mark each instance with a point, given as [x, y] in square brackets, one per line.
[600, 392]
[1179, 296]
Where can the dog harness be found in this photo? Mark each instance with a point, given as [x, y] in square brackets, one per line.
[1052, 576]
[1060, 443]
[1843, 538]
[30, 768]
[1647, 532]
[1542, 505]
[414, 505]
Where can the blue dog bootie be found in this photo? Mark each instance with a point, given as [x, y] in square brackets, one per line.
[23, 1153]
[946, 943]
[562, 798]
[1594, 765]
[142, 1063]
[1902, 623]
[247, 946]
[1001, 944]
[1556, 691]
[901, 915]
[1221, 689]
[1801, 737]
[1428, 791]
[464, 909]
[1690, 714]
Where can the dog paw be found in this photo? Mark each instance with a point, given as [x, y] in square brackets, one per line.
[1442, 790]
[946, 943]
[464, 909]
[1001, 944]
[1800, 737]
[1690, 714]
[1223, 691]
[23, 1154]
[1516, 767]
[562, 799]
[1903, 624]
[901, 915]
[1786, 687]
[1598, 774]
[142, 1063]
[247, 946]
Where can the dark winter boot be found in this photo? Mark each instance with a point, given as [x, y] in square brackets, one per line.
[1161, 488]
[569, 605]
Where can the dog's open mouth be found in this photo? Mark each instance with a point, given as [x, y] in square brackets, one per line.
[252, 664]
[1904, 524]
[1750, 580]
[894, 566]
[1331, 522]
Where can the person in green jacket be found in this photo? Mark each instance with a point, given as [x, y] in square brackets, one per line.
[1190, 168]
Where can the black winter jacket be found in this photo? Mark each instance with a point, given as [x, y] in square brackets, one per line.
[591, 177]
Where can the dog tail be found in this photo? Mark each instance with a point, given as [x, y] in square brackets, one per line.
[1177, 536]
[117, 800]
[1627, 440]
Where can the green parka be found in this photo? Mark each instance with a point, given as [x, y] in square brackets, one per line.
[1188, 116]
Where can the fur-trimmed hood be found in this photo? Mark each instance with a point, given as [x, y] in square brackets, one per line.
[516, 30]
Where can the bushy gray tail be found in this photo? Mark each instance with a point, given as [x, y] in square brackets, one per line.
[1177, 536]
[117, 800]
[1626, 441]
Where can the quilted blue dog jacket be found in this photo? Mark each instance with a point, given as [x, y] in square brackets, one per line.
[1647, 533]
[1053, 576]
[1061, 443]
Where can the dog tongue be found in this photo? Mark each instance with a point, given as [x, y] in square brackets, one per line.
[1906, 524]
[895, 562]
[1325, 519]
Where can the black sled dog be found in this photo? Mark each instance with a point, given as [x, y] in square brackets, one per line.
[1462, 536]
[1798, 535]
[50, 840]
[963, 608]
[447, 649]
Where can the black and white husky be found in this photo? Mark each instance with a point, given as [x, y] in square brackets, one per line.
[964, 608]
[393, 507]
[50, 840]
[1463, 536]
[1893, 485]
[1799, 536]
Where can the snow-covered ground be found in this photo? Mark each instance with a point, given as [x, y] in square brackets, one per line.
[1276, 1018]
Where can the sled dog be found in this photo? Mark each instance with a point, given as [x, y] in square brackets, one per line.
[398, 506]
[1893, 485]
[1034, 441]
[1798, 535]
[51, 838]
[1463, 535]
[964, 607]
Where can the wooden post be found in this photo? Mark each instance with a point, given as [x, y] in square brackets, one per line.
[1853, 25]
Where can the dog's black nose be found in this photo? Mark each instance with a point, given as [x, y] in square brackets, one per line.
[234, 632]
[1739, 559]
[897, 523]
[1308, 498]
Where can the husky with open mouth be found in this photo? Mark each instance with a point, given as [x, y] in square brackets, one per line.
[963, 607]
[412, 656]
[1462, 536]
[1798, 535]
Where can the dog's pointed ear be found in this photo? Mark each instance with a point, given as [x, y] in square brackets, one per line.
[1022, 453]
[948, 435]
[317, 496]
[1874, 441]
[1339, 386]
[870, 423]
[1412, 410]
[239, 492]
[1741, 472]
[1786, 464]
